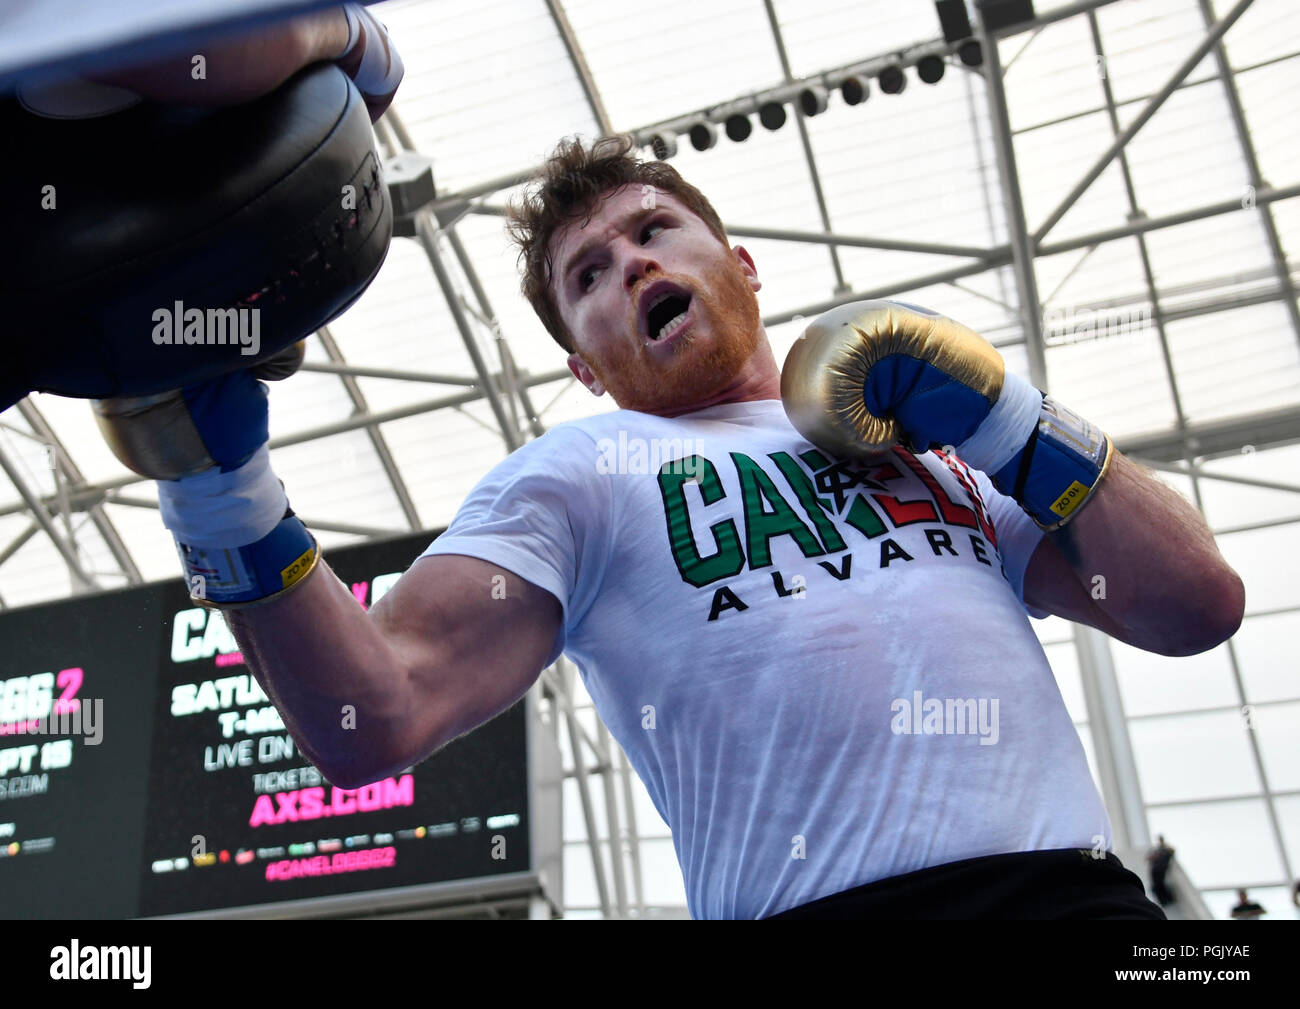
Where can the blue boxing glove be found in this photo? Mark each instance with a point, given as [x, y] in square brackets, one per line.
[870, 375]
[206, 445]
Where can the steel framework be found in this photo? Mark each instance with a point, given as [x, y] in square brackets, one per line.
[597, 764]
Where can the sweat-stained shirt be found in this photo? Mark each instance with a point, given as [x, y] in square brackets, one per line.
[822, 670]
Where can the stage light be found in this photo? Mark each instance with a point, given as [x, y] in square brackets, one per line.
[892, 80]
[971, 53]
[930, 69]
[813, 100]
[772, 115]
[739, 127]
[703, 136]
[854, 89]
[664, 145]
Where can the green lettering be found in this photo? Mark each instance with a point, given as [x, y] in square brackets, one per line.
[761, 525]
[695, 569]
[815, 507]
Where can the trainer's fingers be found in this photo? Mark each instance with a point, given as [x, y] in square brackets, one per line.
[280, 366]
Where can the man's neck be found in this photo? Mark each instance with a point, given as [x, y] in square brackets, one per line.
[759, 379]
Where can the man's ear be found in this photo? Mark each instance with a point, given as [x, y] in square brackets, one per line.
[747, 264]
[585, 375]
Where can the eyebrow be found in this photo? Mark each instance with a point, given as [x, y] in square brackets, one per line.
[592, 243]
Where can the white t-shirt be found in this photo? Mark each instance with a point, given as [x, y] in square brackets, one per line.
[822, 671]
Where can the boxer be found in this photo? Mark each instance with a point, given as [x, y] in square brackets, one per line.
[808, 627]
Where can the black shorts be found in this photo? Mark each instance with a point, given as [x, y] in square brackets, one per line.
[1060, 884]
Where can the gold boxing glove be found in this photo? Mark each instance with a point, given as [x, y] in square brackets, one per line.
[873, 374]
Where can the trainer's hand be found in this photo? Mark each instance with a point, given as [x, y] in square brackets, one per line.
[872, 374]
[370, 59]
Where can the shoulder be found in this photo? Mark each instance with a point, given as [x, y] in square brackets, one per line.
[570, 453]
[566, 440]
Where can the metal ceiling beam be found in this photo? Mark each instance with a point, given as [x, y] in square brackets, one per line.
[426, 229]
[633, 836]
[1002, 337]
[1216, 32]
[509, 370]
[1022, 248]
[398, 374]
[564, 698]
[392, 133]
[814, 175]
[19, 541]
[682, 123]
[1252, 731]
[63, 461]
[1256, 176]
[1263, 196]
[1136, 213]
[996, 255]
[486, 315]
[67, 550]
[998, 258]
[1117, 772]
[350, 528]
[1247, 527]
[1116, 765]
[377, 440]
[485, 188]
[1192, 470]
[788, 93]
[864, 242]
[1264, 429]
[579, 61]
[87, 494]
[824, 238]
[613, 820]
[1191, 82]
[986, 179]
[882, 291]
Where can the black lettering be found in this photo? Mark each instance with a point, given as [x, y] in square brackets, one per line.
[845, 567]
[725, 599]
[980, 555]
[939, 539]
[889, 550]
[779, 584]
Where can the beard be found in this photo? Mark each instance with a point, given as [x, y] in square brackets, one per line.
[700, 365]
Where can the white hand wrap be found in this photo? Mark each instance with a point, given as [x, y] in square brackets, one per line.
[1006, 429]
[215, 509]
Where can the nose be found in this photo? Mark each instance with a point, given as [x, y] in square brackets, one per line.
[637, 266]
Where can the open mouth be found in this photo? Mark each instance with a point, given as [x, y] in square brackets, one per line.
[666, 314]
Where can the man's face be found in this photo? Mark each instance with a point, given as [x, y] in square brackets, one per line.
[662, 314]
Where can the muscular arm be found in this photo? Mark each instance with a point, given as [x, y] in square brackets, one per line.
[238, 68]
[1139, 563]
[438, 655]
